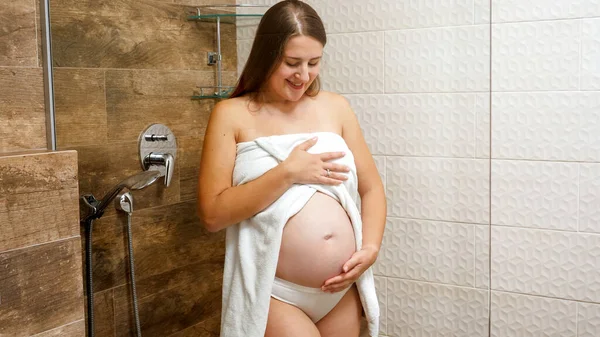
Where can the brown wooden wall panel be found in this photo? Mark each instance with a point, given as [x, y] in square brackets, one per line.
[41, 288]
[210, 327]
[104, 314]
[22, 111]
[133, 34]
[80, 103]
[18, 42]
[165, 239]
[76, 329]
[191, 302]
[29, 173]
[33, 218]
[136, 99]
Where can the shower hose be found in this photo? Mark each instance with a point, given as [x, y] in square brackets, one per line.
[89, 279]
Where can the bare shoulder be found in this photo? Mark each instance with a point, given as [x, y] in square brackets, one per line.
[338, 105]
[230, 114]
[333, 99]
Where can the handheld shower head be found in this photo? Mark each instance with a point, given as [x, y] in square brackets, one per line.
[136, 182]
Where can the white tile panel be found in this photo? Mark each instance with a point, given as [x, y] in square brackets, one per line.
[589, 203]
[547, 263]
[517, 315]
[438, 189]
[353, 63]
[482, 256]
[446, 59]
[536, 56]
[588, 322]
[445, 125]
[423, 309]
[590, 54]
[429, 251]
[374, 15]
[535, 194]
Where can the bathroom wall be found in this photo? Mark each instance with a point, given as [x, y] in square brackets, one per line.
[524, 168]
[41, 289]
[545, 168]
[22, 115]
[119, 67]
[417, 74]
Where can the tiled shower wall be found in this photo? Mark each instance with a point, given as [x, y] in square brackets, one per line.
[41, 289]
[457, 167]
[545, 201]
[119, 67]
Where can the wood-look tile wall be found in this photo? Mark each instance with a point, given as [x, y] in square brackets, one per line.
[22, 114]
[41, 287]
[120, 66]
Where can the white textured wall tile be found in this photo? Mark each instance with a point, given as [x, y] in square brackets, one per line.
[438, 189]
[590, 54]
[516, 10]
[589, 122]
[421, 309]
[429, 251]
[246, 28]
[548, 263]
[482, 11]
[536, 56]
[420, 124]
[535, 194]
[482, 125]
[381, 288]
[590, 8]
[482, 256]
[369, 15]
[536, 125]
[243, 51]
[588, 320]
[517, 315]
[438, 59]
[589, 203]
[547, 126]
[353, 63]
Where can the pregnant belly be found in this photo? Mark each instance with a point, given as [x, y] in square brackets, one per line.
[316, 243]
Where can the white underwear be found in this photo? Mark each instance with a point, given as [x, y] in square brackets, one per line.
[313, 301]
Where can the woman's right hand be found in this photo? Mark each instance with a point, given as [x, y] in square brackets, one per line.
[307, 168]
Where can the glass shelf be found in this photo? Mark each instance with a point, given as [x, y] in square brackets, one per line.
[223, 17]
[223, 93]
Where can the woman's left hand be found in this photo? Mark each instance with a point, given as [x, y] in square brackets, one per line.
[352, 269]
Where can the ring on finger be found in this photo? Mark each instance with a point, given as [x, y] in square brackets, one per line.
[328, 172]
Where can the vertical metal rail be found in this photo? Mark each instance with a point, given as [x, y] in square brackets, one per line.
[219, 56]
[48, 75]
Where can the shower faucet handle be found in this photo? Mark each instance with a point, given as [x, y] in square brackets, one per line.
[161, 160]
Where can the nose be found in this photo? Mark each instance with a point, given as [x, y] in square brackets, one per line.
[303, 73]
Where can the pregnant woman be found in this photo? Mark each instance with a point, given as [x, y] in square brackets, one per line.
[283, 165]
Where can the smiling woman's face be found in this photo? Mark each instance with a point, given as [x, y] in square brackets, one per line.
[298, 69]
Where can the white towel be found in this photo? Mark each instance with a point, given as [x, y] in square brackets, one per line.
[252, 246]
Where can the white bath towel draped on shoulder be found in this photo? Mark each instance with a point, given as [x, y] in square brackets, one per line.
[252, 246]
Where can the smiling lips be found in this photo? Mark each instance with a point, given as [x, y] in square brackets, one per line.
[295, 86]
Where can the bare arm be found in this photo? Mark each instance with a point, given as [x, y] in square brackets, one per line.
[220, 204]
[370, 186]
[374, 207]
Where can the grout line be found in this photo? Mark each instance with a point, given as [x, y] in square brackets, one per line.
[40, 244]
[545, 297]
[490, 180]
